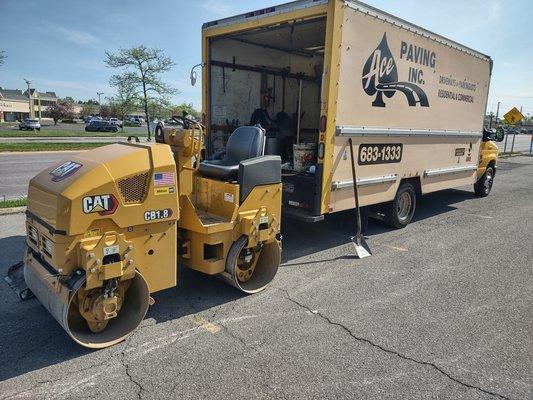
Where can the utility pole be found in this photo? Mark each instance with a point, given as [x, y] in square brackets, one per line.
[29, 97]
[99, 104]
[497, 113]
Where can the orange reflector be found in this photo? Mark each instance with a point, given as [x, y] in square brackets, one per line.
[323, 123]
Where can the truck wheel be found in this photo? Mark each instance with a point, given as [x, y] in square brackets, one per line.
[483, 186]
[400, 211]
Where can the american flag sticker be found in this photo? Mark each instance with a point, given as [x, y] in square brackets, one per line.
[164, 178]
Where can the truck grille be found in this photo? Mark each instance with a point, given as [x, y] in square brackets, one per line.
[133, 189]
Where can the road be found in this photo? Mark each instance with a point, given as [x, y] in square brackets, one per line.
[68, 127]
[522, 144]
[79, 139]
[16, 170]
[443, 309]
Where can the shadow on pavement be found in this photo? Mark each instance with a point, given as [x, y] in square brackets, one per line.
[31, 339]
[300, 239]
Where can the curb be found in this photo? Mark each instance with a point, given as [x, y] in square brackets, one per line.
[12, 210]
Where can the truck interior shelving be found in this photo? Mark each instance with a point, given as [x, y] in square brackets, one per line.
[269, 75]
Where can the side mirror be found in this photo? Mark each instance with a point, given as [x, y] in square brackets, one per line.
[499, 135]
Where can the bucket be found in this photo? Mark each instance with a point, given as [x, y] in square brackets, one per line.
[272, 146]
[304, 155]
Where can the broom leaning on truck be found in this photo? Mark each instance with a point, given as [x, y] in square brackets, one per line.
[108, 227]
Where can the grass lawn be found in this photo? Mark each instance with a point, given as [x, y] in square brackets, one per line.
[48, 146]
[13, 203]
[44, 132]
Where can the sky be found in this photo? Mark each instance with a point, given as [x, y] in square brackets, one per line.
[60, 45]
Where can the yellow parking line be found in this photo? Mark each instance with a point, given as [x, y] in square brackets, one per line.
[206, 325]
[398, 248]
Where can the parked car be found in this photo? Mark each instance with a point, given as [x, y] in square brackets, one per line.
[30, 124]
[137, 121]
[100, 126]
[116, 121]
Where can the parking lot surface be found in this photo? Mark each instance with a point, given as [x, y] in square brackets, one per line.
[79, 127]
[16, 170]
[522, 143]
[443, 309]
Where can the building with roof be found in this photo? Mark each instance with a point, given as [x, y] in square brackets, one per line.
[41, 102]
[16, 104]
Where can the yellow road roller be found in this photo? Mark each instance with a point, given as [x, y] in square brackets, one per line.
[108, 227]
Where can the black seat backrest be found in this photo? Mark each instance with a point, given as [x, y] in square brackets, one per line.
[245, 142]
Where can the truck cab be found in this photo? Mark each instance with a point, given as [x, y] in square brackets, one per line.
[488, 161]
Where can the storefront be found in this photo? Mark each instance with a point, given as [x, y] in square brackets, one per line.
[14, 105]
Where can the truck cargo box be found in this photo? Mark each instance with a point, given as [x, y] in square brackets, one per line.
[314, 73]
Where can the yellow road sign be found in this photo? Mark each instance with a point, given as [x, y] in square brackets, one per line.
[513, 116]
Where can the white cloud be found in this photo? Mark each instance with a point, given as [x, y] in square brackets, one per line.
[73, 88]
[495, 11]
[75, 36]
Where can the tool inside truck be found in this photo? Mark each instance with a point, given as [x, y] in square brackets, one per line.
[272, 76]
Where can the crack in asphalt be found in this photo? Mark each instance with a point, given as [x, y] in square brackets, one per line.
[234, 336]
[263, 373]
[390, 351]
[126, 366]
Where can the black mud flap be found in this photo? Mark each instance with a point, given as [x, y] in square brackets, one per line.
[15, 280]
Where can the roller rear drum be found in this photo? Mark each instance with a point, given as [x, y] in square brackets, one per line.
[251, 270]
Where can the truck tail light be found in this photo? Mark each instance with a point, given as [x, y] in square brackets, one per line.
[323, 123]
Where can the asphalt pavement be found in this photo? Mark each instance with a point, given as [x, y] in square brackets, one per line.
[79, 127]
[16, 170]
[74, 139]
[442, 310]
[522, 143]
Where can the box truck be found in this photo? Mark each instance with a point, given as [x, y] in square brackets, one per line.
[315, 73]
[294, 84]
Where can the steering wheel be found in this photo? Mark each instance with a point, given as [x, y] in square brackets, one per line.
[187, 123]
[195, 146]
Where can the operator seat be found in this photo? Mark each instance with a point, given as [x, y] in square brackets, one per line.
[244, 143]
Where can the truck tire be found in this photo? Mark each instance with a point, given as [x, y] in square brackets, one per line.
[400, 211]
[483, 186]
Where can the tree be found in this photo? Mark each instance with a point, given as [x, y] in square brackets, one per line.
[61, 110]
[87, 109]
[142, 73]
[123, 103]
[2, 57]
[159, 107]
[185, 107]
[105, 111]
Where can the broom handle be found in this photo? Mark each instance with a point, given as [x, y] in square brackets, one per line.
[356, 195]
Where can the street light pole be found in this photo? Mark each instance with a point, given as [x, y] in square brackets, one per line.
[29, 96]
[99, 104]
